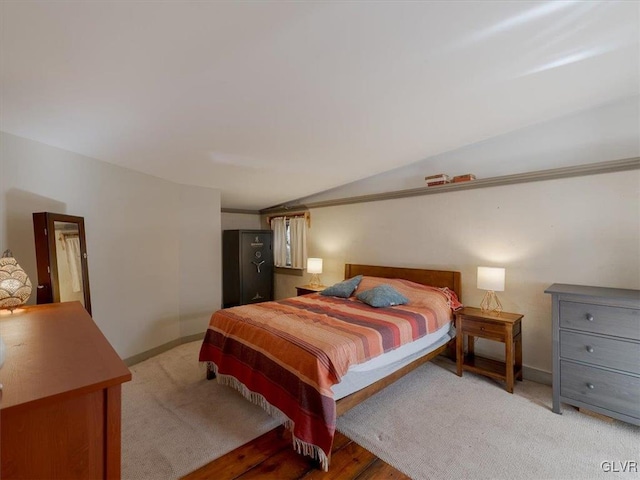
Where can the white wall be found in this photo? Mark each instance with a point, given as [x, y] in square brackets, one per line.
[583, 230]
[145, 290]
[240, 221]
[609, 132]
[200, 258]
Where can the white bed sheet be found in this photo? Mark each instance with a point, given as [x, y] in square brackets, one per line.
[364, 374]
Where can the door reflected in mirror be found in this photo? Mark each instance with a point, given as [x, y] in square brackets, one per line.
[69, 258]
[61, 256]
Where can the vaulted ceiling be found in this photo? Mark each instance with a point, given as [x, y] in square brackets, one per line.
[270, 101]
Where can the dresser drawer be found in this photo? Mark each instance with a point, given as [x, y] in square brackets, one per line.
[615, 321]
[606, 352]
[613, 391]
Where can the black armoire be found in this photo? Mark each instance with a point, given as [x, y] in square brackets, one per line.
[247, 267]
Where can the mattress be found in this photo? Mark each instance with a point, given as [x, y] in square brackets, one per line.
[364, 374]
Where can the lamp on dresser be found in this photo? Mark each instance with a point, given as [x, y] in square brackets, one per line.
[15, 286]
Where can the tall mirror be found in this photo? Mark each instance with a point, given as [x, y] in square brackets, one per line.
[61, 258]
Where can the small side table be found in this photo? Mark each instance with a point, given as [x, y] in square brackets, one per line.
[306, 289]
[502, 327]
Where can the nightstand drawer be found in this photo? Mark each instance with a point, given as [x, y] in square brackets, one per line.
[614, 391]
[483, 329]
[307, 289]
[616, 321]
[606, 352]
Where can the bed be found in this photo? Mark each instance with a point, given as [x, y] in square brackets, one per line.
[308, 359]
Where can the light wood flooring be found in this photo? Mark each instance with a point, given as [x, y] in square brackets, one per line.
[271, 456]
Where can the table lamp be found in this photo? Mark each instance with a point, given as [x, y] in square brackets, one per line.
[15, 286]
[491, 279]
[314, 267]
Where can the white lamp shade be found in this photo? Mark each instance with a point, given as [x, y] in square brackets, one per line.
[314, 265]
[491, 278]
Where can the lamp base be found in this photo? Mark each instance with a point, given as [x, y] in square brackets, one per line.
[490, 302]
[315, 280]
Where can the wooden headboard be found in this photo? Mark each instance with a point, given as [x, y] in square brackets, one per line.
[433, 278]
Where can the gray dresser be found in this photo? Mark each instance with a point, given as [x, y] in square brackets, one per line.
[596, 350]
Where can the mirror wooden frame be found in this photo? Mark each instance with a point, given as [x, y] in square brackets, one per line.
[48, 290]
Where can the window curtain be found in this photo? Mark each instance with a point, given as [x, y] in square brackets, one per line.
[72, 243]
[279, 227]
[298, 233]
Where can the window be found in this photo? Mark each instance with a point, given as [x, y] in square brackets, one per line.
[290, 240]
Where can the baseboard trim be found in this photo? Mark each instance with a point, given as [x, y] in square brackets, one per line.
[140, 357]
[536, 375]
[528, 373]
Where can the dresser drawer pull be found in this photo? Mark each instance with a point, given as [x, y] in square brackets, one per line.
[589, 317]
[590, 386]
[589, 349]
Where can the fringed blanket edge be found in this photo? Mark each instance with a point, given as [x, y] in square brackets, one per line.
[300, 446]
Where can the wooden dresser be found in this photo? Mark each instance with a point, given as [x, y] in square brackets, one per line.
[596, 350]
[60, 411]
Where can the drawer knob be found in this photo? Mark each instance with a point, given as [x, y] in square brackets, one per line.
[589, 317]
[589, 349]
[590, 386]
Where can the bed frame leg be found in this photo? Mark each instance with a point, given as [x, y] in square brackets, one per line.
[450, 353]
[210, 373]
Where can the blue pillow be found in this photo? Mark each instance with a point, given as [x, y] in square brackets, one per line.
[342, 289]
[382, 296]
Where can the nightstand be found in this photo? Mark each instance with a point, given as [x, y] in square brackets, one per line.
[502, 327]
[306, 289]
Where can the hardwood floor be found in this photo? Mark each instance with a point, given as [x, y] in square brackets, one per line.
[271, 456]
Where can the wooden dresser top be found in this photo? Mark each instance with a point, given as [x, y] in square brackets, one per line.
[55, 350]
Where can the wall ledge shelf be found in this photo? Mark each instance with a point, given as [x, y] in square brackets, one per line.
[536, 176]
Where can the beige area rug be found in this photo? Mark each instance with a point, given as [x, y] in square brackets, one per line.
[433, 424]
[174, 420]
[430, 424]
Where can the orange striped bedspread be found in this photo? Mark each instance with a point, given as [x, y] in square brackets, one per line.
[286, 355]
